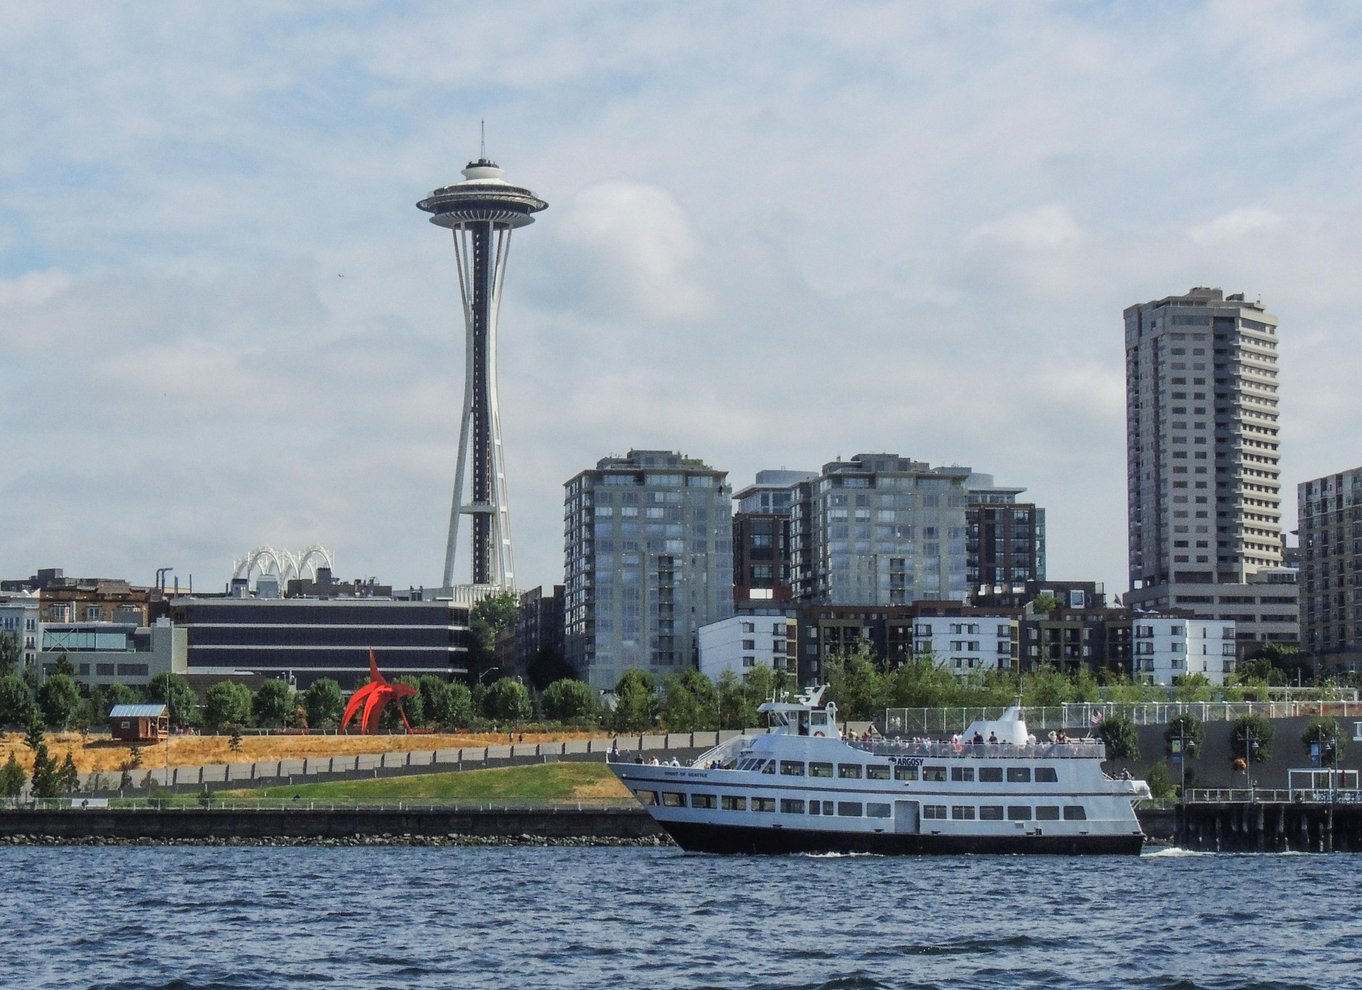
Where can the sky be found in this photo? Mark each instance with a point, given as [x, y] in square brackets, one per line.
[778, 234]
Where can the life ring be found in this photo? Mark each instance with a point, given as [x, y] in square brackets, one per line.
[818, 733]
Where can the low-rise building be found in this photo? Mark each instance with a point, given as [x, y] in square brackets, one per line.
[104, 653]
[1167, 648]
[742, 643]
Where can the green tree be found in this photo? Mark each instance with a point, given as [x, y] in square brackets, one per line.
[547, 667]
[324, 702]
[486, 619]
[1191, 688]
[1045, 604]
[1185, 732]
[689, 702]
[272, 705]
[68, 778]
[507, 701]
[1324, 733]
[103, 699]
[1251, 738]
[11, 652]
[46, 780]
[63, 664]
[635, 702]
[226, 703]
[1118, 732]
[12, 777]
[570, 700]
[16, 704]
[736, 710]
[918, 682]
[59, 701]
[173, 690]
[33, 735]
[1160, 784]
[855, 685]
[1046, 687]
[448, 704]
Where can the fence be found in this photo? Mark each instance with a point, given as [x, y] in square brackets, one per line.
[1085, 715]
[376, 764]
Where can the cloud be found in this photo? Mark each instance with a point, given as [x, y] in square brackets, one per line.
[1234, 225]
[1042, 228]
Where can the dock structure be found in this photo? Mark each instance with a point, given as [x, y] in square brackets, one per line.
[1321, 811]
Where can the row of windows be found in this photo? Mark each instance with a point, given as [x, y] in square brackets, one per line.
[901, 771]
[863, 809]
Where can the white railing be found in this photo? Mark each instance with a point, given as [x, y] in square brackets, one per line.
[1083, 716]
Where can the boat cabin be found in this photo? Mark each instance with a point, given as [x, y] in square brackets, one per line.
[804, 716]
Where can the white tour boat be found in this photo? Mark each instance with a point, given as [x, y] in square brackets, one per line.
[802, 787]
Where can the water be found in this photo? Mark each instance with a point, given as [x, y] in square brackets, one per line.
[184, 918]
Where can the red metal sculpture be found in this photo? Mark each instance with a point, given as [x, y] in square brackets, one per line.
[374, 697]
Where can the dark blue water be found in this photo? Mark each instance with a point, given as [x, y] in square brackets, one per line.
[197, 918]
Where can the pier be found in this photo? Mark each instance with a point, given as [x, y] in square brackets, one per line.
[1321, 811]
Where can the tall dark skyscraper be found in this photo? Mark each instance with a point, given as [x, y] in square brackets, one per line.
[481, 211]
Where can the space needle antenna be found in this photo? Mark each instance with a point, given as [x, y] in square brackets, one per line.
[482, 145]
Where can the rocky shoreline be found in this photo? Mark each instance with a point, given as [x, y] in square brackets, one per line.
[408, 839]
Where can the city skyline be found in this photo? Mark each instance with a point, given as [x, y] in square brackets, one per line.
[220, 327]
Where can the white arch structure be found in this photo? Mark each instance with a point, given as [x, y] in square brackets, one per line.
[283, 564]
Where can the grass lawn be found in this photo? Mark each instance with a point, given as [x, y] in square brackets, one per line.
[541, 783]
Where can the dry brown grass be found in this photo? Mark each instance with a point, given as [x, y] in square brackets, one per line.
[100, 753]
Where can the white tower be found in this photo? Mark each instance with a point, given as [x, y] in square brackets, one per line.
[481, 211]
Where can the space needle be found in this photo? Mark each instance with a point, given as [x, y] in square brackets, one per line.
[481, 211]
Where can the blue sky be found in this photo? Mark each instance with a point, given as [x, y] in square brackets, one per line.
[778, 234]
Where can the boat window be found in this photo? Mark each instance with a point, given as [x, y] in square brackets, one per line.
[877, 771]
[820, 769]
[904, 772]
[877, 809]
[763, 804]
[1019, 775]
[814, 807]
[827, 808]
[962, 773]
[849, 770]
[1046, 775]
[962, 812]
[1047, 812]
[703, 801]
[770, 767]
[933, 811]
[990, 812]
[1018, 813]
[990, 775]
[1075, 813]
[645, 797]
[673, 799]
[791, 806]
[934, 773]
[792, 768]
[731, 802]
[849, 809]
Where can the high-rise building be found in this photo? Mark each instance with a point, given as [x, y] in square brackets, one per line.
[1202, 462]
[761, 537]
[1005, 545]
[1330, 513]
[879, 529]
[648, 545]
[481, 211]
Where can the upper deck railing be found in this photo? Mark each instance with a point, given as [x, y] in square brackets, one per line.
[1073, 749]
[1083, 716]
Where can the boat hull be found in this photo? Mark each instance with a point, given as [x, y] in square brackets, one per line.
[709, 837]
